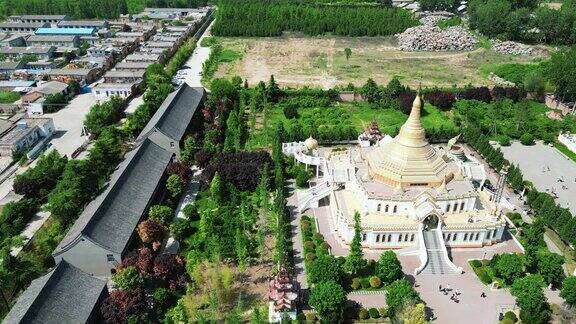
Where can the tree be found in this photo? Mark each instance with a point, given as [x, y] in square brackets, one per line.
[162, 214]
[325, 268]
[273, 92]
[389, 267]
[370, 91]
[348, 53]
[151, 231]
[128, 279]
[527, 139]
[399, 293]
[102, 115]
[534, 308]
[412, 313]
[121, 304]
[550, 268]
[142, 259]
[438, 5]
[328, 300]
[509, 266]
[38, 181]
[170, 269]
[175, 186]
[561, 72]
[355, 261]
[216, 188]
[568, 291]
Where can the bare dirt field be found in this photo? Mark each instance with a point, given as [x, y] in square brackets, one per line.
[321, 61]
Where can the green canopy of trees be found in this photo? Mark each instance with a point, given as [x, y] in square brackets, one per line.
[271, 18]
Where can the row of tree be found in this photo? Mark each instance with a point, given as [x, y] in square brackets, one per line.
[271, 18]
[558, 218]
[101, 9]
[524, 21]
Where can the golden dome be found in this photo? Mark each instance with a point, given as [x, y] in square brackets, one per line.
[311, 143]
[409, 160]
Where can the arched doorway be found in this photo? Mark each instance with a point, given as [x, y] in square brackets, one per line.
[430, 222]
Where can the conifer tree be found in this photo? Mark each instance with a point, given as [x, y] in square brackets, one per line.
[354, 261]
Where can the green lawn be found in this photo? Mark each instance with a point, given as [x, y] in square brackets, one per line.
[7, 97]
[562, 148]
[355, 114]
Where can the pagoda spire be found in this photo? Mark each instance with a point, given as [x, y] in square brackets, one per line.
[412, 133]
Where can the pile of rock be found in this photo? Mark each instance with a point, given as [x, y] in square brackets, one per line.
[431, 20]
[514, 48]
[431, 38]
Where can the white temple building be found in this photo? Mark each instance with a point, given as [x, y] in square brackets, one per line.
[410, 195]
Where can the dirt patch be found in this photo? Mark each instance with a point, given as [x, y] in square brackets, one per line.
[321, 62]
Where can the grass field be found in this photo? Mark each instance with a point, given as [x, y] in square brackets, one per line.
[7, 97]
[321, 61]
[361, 114]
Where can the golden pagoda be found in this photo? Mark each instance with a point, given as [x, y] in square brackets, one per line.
[409, 160]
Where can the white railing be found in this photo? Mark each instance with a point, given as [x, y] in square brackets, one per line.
[445, 251]
[313, 194]
[422, 253]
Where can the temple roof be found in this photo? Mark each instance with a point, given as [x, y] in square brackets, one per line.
[409, 160]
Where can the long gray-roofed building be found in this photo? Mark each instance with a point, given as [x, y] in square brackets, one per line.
[64, 295]
[172, 120]
[21, 27]
[96, 24]
[105, 231]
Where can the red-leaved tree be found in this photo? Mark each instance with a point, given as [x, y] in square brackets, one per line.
[171, 270]
[122, 304]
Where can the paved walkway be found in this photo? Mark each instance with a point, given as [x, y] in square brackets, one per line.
[297, 246]
[197, 59]
[189, 197]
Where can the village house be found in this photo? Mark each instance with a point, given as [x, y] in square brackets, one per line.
[94, 24]
[53, 40]
[139, 57]
[34, 99]
[66, 31]
[14, 40]
[40, 65]
[84, 76]
[24, 134]
[17, 27]
[17, 85]
[103, 91]
[38, 52]
[7, 68]
[124, 76]
[132, 66]
[45, 19]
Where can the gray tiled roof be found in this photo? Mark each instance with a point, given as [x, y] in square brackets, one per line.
[63, 295]
[111, 218]
[175, 113]
[52, 38]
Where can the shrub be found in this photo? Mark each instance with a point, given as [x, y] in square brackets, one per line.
[480, 94]
[507, 321]
[365, 282]
[527, 139]
[363, 314]
[504, 140]
[511, 315]
[163, 214]
[305, 218]
[486, 262]
[406, 100]
[309, 246]
[383, 312]
[325, 246]
[476, 263]
[355, 283]
[318, 237]
[305, 224]
[375, 282]
[483, 276]
[311, 317]
[441, 99]
[374, 313]
[290, 111]
[310, 256]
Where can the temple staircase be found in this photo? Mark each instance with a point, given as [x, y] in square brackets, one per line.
[438, 262]
[310, 197]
